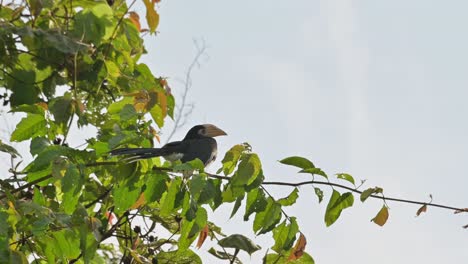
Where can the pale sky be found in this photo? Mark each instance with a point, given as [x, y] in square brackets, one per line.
[376, 89]
[372, 88]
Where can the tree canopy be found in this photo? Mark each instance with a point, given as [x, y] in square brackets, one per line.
[76, 63]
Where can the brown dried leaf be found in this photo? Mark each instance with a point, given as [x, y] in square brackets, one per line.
[202, 236]
[423, 209]
[298, 249]
[135, 18]
[463, 210]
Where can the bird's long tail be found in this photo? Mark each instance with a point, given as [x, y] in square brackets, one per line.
[135, 154]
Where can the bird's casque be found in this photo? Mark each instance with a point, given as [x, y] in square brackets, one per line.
[198, 143]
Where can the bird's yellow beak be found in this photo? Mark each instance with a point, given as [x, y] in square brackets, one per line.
[213, 131]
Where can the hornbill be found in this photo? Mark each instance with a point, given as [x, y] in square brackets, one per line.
[198, 143]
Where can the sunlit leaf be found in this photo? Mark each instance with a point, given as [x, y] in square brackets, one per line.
[267, 219]
[284, 235]
[319, 194]
[314, 171]
[337, 204]
[345, 177]
[299, 162]
[256, 202]
[290, 199]
[31, 126]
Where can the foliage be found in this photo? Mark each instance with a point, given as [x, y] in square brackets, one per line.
[68, 63]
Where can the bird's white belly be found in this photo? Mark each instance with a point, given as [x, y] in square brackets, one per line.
[174, 156]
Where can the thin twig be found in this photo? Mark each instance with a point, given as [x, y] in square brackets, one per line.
[181, 115]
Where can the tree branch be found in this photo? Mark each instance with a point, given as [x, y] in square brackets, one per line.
[457, 209]
[181, 116]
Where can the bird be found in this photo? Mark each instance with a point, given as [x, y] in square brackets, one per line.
[198, 143]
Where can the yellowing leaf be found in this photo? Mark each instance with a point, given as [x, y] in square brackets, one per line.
[162, 101]
[152, 17]
[423, 209]
[135, 18]
[381, 217]
[299, 248]
[202, 236]
[141, 201]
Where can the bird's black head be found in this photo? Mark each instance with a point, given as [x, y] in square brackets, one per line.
[202, 131]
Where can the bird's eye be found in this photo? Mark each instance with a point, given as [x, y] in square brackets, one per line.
[202, 132]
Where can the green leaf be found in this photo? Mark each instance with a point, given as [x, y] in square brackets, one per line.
[178, 256]
[241, 242]
[256, 202]
[248, 170]
[155, 186]
[381, 217]
[9, 149]
[319, 194]
[314, 171]
[157, 115]
[223, 255]
[208, 192]
[31, 126]
[128, 112]
[283, 259]
[168, 198]
[299, 162]
[94, 24]
[231, 158]
[267, 219]
[125, 193]
[290, 199]
[195, 164]
[337, 204]
[28, 108]
[189, 207]
[190, 229]
[345, 177]
[61, 108]
[18, 257]
[237, 205]
[112, 69]
[72, 183]
[284, 235]
[38, 144]
[370, 191]
[116, 107]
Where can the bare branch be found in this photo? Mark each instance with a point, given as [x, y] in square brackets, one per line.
[185, 109]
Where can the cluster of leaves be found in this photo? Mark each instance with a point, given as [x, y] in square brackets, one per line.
[338, 201]
[68, 63]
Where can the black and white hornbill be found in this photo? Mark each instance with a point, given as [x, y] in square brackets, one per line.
[198, 143]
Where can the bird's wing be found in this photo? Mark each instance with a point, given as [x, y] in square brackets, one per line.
[204, 149]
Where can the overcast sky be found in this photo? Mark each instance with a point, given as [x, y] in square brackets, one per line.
[373, 88]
